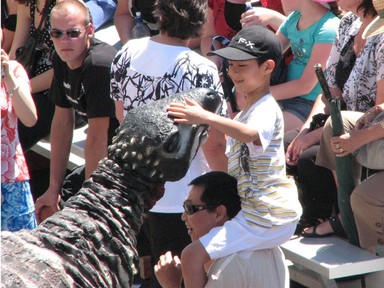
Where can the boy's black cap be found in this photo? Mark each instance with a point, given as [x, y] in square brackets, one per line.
[250, 43]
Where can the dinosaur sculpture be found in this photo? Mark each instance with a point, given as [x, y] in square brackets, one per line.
[91, 242]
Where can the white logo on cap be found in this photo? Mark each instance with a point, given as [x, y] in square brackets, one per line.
[246, 42]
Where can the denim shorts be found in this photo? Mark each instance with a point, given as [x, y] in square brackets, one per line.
[297, 106]
[17, 207]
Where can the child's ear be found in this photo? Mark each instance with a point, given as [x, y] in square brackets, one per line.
[269, 65]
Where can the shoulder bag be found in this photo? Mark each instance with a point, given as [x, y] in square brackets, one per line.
[29, 54]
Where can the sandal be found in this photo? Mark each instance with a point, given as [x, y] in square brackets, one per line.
[313, 234]
[337, 226]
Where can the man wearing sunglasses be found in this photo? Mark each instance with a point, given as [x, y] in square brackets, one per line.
[80, 85]
[211, 201]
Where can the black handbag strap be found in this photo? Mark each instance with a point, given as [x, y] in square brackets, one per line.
[42, 20]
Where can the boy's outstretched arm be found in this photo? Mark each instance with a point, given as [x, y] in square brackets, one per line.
[193, 113]
[193, 259]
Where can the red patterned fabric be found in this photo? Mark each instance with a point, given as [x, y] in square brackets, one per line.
[13, 165]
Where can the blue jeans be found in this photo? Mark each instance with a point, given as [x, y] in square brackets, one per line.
[17, 207]
[298, 106]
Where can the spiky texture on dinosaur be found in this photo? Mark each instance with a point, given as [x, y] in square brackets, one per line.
[91, 242]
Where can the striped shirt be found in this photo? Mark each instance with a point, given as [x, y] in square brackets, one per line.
[268, 197]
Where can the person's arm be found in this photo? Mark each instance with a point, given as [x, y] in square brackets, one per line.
[193, 113]
[354, 139]
[214, 151]
[308, 79]
[193, 258]
[22, 29]
[43, 81]
[262, 16]
[61, 140]
[380, 92]
[206, 39]
[96, 144]
[123, 20]
[119, 105]
[168, 271]
[9, 25]
[305, 139]
[18, 86]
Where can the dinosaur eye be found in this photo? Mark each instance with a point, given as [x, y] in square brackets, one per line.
[172, 142]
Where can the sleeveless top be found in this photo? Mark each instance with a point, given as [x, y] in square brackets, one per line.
[45, 61]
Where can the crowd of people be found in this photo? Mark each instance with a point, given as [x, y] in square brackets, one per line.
[268, 169]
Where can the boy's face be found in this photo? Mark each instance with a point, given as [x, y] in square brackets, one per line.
[247, 75]
[71, 50]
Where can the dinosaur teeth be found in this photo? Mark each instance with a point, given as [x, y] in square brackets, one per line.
[126, 154]
[139, 156]
[142, 139]
[133, 141]
[134, 154]
[156, 162]
[134, 165]
[153, 172]
[148, 151]
[112, 148]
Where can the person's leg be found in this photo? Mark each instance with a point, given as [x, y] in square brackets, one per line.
[102, 11]
[367, 202]
[17, 207]
[29, 136]
[295, 112]
[318, 191]
[167, 232]
[291, 121]
[326, 158]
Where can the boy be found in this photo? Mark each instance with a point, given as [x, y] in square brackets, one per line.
[270, 207]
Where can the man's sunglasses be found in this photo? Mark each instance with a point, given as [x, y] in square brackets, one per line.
[190, 209]
[71, 33]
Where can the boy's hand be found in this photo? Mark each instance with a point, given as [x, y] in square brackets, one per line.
[168, 271]
[190, 113]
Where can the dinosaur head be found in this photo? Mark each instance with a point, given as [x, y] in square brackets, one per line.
[151, 144]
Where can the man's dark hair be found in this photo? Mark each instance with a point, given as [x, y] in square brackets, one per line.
[182, 19]
[219, 189]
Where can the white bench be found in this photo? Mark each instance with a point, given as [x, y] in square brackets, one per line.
[320, 262]
[76, 157]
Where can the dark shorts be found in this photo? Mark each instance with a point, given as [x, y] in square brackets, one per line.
[297, 106]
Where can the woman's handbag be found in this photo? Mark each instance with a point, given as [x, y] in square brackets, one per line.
[25, 55]
[371, 155]
[30, 53]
